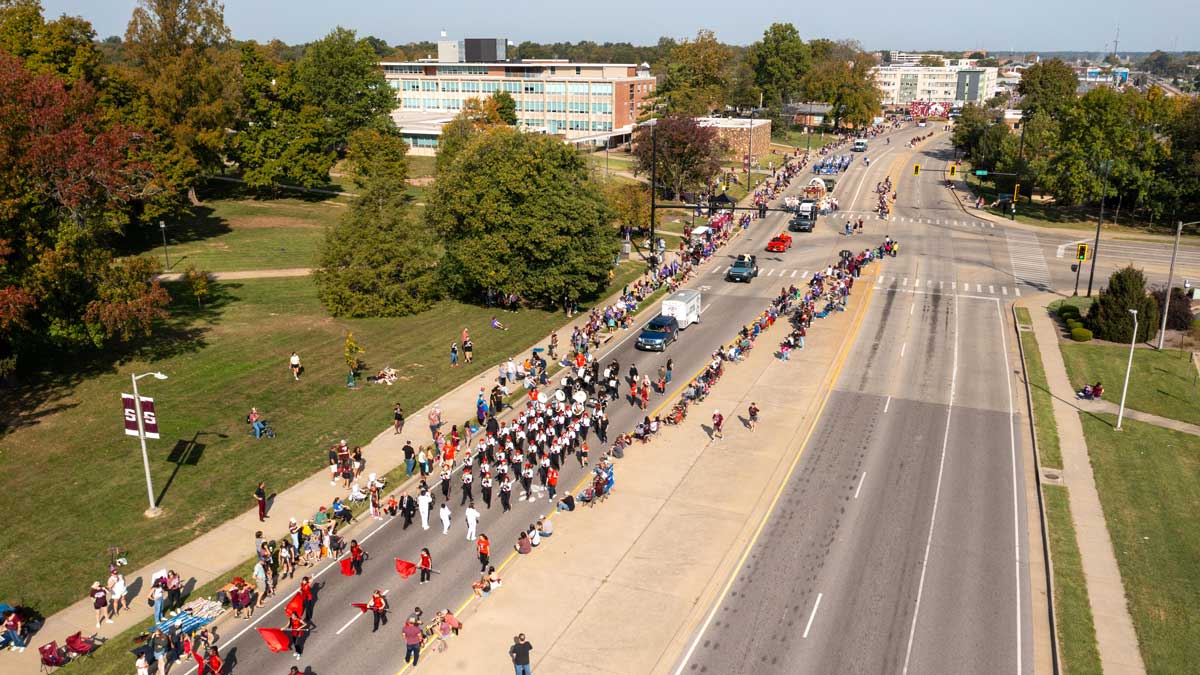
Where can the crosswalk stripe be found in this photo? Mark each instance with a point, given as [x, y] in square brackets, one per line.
[991, 289]
[905, 281]
[794, 273]
[1004, 290]
[1017, 290]
[771, 271]
[978, 288]
[1028, 262]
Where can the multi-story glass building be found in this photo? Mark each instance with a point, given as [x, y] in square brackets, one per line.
[582, 102]
[905, 84]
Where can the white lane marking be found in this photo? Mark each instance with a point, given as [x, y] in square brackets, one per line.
[863, 476]
[771, 272]
[941, 284]
[1012, 448]
[937, 493]
[887, 404]
[716, 270]
[812, 616]
[902, 348]
[794, 273]
[355, 617]
[1017, 290]
[1004, 290]
[1062, 248]
[978, 288]
[991, 289]
[905, 281]
[911, 308]
[705, 308]
[804, 274]
[992, 225]
[954, 285]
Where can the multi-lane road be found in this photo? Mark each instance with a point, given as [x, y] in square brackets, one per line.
[900, 543]
[343, 640]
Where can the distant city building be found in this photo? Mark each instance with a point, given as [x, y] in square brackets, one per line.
[1118, 76]
[913, 58]
[905, 84]
[593, 103]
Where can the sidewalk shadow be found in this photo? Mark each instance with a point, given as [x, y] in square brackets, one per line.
[134, 589]
[745, 421]
[708, 429]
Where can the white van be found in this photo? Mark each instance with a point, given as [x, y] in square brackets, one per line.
[860, 145]
[684, 305]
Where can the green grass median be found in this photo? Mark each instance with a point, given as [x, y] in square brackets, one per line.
[1049, 452]
[1148, 478]
[1072, 611]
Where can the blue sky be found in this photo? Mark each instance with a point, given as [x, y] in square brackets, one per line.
[1032, 25]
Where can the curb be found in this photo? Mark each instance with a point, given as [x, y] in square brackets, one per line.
[1037, 472]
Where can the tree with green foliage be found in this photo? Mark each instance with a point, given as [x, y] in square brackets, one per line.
[196, 282]
[696, 77]
[779, 61]
[991, 147]
[688, 157]
[519, 215]
[181, 62]
[475, 116]
[379, 259]
[340, 74]
[279, 136]
[630, 202]
[970, 126]
[931, 61]
[65, 47]
[506, 107]
[848, 86]
[350, 355]
[742, 93]
[1047, 86]
[1109, 316]
[1029, 155]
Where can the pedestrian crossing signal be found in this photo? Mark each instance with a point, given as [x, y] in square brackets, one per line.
[916, 169]
[1081, 252]
[953, 170]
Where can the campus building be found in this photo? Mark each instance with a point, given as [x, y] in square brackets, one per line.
[905, 84]
[584, 103]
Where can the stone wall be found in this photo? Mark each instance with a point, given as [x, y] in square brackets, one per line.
[737, 139]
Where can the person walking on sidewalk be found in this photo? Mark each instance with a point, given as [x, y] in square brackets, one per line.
[753, 422]
[260, 496]
[435, 420]
[397, 427]
[519, 652]
[425, 565]
[379, 608]
[100, 601]
[472, 520]
[717, 421]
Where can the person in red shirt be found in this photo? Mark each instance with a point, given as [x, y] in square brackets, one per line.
[357, 554]
[297, 631]
[484, 547]
[717, 420]
[426, 567]
[379, 607]
[551, 482]
[215, 664]
[307, 596]
[413, 637]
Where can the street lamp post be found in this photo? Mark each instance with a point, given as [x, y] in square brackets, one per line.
[153, 511]
[162, 227]
[1162, 332]
[1128, 367]
[1099, 219]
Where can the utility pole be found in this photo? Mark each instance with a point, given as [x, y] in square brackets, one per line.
[1099, 219]
[653, 186]
[1162, 332]
[162, 226]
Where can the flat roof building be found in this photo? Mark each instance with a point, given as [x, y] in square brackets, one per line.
[905, 84]
[594, 103]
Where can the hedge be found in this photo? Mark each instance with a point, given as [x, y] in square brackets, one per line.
[1081, 334]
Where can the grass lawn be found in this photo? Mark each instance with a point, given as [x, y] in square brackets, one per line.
[1162, 383]
[1082, 302]
[231, 231]
[796, 138]
[1072, 613]
[1148, 478]
[420, 166]
[1049, 452]
[1023, 318]
[83, 486]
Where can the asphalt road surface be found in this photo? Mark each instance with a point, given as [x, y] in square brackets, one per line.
[898, 544]
[343, 641]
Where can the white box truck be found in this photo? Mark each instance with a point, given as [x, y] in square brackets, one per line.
[684, 305]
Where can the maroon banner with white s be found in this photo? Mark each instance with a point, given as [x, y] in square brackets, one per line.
[149, 419]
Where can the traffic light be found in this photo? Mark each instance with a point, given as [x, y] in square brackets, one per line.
[1016, 189]
[916, 169]
[953, 170]
[1081, 252]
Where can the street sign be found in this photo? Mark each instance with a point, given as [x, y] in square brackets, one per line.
[149, 419]
[980, 172]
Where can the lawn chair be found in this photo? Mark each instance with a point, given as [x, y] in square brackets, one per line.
[52, 657]
[77, 645]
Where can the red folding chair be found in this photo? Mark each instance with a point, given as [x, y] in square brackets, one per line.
[77, 645]
[52, 657]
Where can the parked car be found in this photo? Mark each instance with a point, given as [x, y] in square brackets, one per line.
[781, 243]
[745, 268]
[659, 333]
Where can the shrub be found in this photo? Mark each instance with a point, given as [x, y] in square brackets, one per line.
[1072, 324]
[1081, 334]
[1109, 315]
[1067, 312]
[1180, 316]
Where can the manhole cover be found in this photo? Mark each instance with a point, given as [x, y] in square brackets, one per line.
[1052, 476]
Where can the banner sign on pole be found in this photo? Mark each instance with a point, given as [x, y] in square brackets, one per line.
[149, 419]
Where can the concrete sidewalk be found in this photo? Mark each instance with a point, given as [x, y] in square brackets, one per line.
[621, 588]
[1115, 635]
[244, 274]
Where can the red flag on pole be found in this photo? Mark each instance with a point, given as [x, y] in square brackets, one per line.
[295, 606]
[347, 567]
[276, 639]
[362, 606]
[405, 568]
